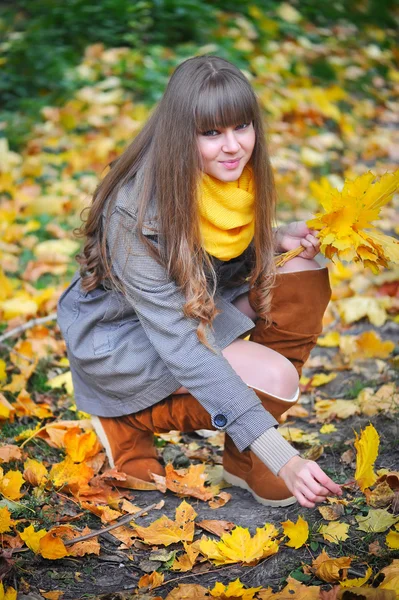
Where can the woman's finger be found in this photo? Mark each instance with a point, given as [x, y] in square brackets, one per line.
[304, 501]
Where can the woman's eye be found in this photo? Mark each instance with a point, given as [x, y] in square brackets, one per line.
[242, 126]
[210, 133]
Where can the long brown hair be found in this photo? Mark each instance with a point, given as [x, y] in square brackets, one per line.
[204, 93]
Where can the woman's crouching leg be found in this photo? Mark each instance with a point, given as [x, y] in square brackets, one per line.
[129, 440]
[300, 299]
[129, 445]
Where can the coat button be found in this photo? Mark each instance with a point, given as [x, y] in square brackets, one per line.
[220, 420]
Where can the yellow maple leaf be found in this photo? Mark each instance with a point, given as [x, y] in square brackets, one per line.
[151, 580]
[328, 428]
[52, 547]
[235, 589]
[35, 472]
[65, 379]
[329, 569]
[32, 538]
[297, 533]
[10, 484]
[70, 474]
[295, 434]
[357, 307]
[186, 561]
[367, 451]
[80, 446]
[239, 546]
[358, 581]
[391, 577]
[5, 519]
[186, 482]
[392, 539]
[165, 531]
[3, 374]
[330, 340]
[319, 379]
[340, 409]
[335, 532]
[9, 594]
[345, 228]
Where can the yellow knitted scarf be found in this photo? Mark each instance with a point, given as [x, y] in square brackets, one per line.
[227, 216]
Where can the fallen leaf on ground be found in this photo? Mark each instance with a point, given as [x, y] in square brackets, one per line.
[339, 409]
[335, 532]
[10, 484]
[235, 589]
[10, 452]
[219, 500]
[367, 451]
[331, 513]
[376, 521]
[331, 569]
[151, 580]
[165, 531]
[297, 533]
[188, 591]
[380, 496]
[186, 482]
[216, 527]
[239, 546]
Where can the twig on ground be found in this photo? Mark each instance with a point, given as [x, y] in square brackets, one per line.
[122, 521]
[3, 345]
[28, 325]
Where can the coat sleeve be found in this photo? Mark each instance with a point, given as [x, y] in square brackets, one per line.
[158, 303]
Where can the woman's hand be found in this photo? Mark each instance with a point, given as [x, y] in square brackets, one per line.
[307, 482]
[288, 237]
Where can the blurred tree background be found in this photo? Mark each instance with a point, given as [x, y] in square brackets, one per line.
[43, 41]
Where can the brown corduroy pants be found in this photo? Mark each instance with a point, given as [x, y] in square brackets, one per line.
[299, 302]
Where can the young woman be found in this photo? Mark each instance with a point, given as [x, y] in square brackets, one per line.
[177, 268]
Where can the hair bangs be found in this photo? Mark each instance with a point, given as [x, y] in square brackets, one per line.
[224, 102]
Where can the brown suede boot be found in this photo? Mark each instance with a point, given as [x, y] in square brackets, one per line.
[128, 446]
[298, 305]
[129, 440]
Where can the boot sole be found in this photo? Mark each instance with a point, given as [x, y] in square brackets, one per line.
[238, 482]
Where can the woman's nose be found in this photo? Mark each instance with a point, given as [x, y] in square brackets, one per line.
[230, 142]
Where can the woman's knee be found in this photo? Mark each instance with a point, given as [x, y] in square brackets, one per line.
[263, 368]
[299, 264]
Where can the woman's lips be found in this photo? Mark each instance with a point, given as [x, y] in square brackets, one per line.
[230, 164]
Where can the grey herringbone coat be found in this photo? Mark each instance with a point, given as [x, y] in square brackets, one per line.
[130, 352]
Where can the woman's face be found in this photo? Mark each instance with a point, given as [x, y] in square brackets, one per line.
[225, 152]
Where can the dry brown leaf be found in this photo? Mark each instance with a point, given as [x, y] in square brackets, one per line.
[216, 527]
[381, 496]
[331, 513]
[296, 590]
[219, 500]
[392, 479]
[127, 481]
[188, 591]
[151, 580]
[54, 595]
[186, 482]
[375, 548]
[106, 513]
[10, 452]
[331, 569]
